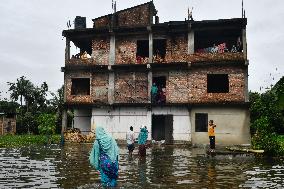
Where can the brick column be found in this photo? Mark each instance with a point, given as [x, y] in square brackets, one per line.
[244, 41]
[67, 51]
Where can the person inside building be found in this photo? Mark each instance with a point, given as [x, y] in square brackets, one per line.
[142, 139]
[104, 157]
[130, 139]
[154, 92]
[211, 134]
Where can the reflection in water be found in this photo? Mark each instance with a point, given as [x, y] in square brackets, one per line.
[164, 167]
[142, 166]
[212, 174]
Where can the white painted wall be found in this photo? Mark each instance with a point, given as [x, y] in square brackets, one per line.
[232, 125]
[82, 119]
[181, 121]
[117, 121]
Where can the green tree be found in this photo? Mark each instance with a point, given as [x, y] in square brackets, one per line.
[57, 104]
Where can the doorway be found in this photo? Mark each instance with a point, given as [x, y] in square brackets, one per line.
[160, 97]
[162, 128]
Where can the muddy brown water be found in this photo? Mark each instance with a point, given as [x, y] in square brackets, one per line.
[164, 167]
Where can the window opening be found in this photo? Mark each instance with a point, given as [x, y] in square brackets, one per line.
[159, 50]
[201, 120]
[217, 83]
[218, 41]
[80, 86]
[142, 50]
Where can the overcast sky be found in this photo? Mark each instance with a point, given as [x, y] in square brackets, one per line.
[32, 44]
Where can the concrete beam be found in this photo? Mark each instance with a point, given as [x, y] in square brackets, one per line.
[190, 42]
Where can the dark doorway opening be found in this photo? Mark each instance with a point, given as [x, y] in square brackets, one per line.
[160, 96]
[142, 48]
[162, 128]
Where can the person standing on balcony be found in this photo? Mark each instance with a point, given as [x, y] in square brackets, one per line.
[142, 139]
[104, 157]
[154, 92]
[130, 139]
[211, 134]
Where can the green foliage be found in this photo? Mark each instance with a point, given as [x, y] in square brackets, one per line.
[8, 107]
[46, 124]
[26, 140]
[267, 120]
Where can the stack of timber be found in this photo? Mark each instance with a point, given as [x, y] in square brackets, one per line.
[75, 135]
[236, 149]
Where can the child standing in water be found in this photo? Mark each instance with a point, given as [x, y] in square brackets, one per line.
[211, 134]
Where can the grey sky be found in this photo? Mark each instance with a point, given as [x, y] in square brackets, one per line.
[32, 45]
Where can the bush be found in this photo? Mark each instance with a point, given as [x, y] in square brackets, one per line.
[265, 138]
[26, 140]
[47, 124]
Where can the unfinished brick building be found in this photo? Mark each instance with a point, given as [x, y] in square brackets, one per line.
[199, 67]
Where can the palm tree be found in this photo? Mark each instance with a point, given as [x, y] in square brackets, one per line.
[21, 89]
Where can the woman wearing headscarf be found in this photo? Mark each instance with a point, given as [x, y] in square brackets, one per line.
[104, 157]
[142, 139]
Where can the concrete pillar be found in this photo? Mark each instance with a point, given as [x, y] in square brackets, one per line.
[150, 47]
[111, 88]
[64, 121]
[246, 93]
[244, 41]
[111, 73]
[112, 50]
[190, 42]
[150, 78]
[149, 123]
[67, 50]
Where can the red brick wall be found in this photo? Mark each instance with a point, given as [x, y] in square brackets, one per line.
[101, 22]
[76, 99]
[131, 87]
[6, 120]
[205, 57]
[191, 86]
[100, 87]
[177, 87]
[176, 50]
[100, 47]
[125, 51]
[138, 16]
[198, 89]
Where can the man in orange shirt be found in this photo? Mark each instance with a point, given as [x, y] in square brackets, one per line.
[211, 134]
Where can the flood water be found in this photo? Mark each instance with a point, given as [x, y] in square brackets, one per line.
[164, 167]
